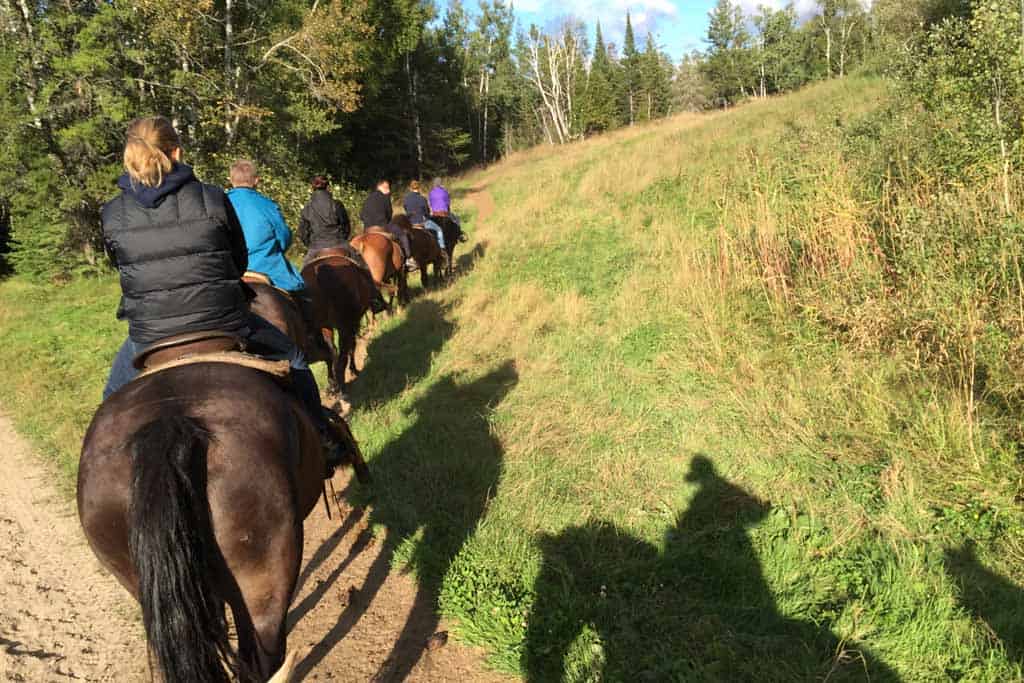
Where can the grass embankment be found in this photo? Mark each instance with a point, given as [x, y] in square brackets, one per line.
[613, 450]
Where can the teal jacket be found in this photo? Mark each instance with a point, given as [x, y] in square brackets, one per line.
[267, 236]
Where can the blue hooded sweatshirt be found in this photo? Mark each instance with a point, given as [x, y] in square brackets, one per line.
[267, 236]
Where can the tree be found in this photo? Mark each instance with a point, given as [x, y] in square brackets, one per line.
[728, 66]
[600, 111]
[632, 76]
[655, 85]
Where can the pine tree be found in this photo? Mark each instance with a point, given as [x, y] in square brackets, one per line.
[631, 72]
[600, 112]
[655, 82]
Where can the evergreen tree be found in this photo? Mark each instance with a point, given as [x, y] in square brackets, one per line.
[600, 109]
[632, 77]
[655, 82]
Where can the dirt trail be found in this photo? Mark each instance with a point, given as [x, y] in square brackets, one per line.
[63, 618]
[483, 200]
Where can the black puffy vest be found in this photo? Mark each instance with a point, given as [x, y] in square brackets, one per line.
[180, 262]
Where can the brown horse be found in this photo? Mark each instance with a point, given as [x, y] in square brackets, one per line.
[192, 488]
[278, 308]
[426, 252]
[341, 295]
[384, 257]
[452, 236]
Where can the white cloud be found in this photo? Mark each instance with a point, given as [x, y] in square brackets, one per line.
[804, 8]
[646, 15]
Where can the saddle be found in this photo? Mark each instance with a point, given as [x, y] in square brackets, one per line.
[377, 230]
[251, 277]
[331, 253]
[204, 347]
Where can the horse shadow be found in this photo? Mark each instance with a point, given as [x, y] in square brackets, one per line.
[612, 607]
[432, 485]
[402, 355]
[993, 599]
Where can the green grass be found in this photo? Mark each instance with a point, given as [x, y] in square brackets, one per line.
[610, 453]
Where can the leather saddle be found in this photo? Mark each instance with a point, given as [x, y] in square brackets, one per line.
[189, 345]
[251, 277]
[377, 230]
[331, 253]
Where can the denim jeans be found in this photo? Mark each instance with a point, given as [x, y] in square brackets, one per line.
[261, 339]
[438, 232]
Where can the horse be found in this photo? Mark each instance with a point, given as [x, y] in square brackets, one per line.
[341, 296]
[452, 236]
[426, 252]
[193, 485]
[279, 309]
[383, 255]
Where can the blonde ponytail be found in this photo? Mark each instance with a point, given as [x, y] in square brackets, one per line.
[148, 148]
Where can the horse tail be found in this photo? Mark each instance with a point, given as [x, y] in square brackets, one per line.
[173, 548]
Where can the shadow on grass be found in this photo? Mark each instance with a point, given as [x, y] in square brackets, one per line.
[993, 599]
[611, 607]
[401, 356]
[431, 488]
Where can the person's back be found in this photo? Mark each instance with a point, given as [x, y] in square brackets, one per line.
[415, 205]
[178, 248]
[377, 209]
[266, 234]
[440, 200]
[324, 222]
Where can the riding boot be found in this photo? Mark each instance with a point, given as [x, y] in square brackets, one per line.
[336, 451]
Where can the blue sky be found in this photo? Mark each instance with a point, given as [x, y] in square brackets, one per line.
[679, 26]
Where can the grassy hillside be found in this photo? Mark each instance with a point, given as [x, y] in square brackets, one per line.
[621, 448]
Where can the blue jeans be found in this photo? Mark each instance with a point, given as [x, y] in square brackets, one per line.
[438, 232]
[262, 339]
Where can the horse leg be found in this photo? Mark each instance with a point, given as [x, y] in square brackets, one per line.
[332, 361]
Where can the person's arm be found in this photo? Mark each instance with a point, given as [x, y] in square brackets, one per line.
[304, 228]
[389, 210]
[343, 220]
[282, 233]
[236, 238]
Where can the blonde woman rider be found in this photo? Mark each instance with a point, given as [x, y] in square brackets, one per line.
[180, 252]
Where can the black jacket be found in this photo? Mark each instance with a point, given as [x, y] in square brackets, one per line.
[416, 208]
[377, 210]
[324, 222]
[181, 252]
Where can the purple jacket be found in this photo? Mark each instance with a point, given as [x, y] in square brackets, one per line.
[440, 202]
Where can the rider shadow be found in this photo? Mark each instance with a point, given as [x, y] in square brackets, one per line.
[465, 263]
[612, 607]
[402, 355]
[992, 599]
[431, 488]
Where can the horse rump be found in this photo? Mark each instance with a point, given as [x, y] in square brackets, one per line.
[172, 546]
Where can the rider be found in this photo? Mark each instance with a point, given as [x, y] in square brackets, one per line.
[267, 237]
[325, 225]
[377, 213]
[180, 251]
[418, 211]
[441, 207]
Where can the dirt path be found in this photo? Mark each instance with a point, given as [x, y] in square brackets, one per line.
[484, 202]
[62, 618]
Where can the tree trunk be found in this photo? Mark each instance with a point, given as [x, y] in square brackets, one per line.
[411, 75]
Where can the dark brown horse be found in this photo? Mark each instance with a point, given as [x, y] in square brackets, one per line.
[452, 236]
[384, 257]
[426, 252]
[341, 295]
[192, 488]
